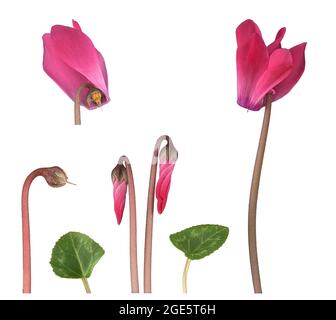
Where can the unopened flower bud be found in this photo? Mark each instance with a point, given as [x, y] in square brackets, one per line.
[168, 156]
[168, 153]
[119, 180]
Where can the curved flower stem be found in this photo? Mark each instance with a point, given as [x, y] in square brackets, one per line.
[149, 217]
[252, 211]
[185, 275]
[26, 231]
[54, 179]
[86, 285]
[78, 102]
[133, 226]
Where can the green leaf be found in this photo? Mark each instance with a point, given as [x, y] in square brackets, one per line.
[200, 241]
[75, 255]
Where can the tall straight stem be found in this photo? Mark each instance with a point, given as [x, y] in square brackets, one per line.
[149, 232]
[185, 275]
[149, 217]
[252, 211]
[133, 229]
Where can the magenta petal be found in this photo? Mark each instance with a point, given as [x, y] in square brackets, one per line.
[67, 78]
[76, 25]
[100, 56]
[245, 31]
[276, 44]
[252, 61]
[119, 196]
[163, 185]
[298, 56]
[77, 50]
[279, 68]
[103, 68]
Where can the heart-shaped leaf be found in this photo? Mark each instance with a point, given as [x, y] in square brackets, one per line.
[75, 255]
[200, 241]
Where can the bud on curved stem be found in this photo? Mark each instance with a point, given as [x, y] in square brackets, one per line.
[122, 176]
[167, 156]
[55, 178]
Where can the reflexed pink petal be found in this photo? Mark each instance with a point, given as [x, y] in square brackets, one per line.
[163, 185]
[277, 42]
[67, 78]
[119, 196]
[298, 56]
[279, 68]
[76, 49]
[252, 61]
[245, 31]
[76, 25]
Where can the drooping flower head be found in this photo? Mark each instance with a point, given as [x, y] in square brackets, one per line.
[73, 62]
[167, 157]
[119, 181]
[265, 69]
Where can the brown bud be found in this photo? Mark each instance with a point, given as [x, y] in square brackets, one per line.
[168, 153]
[56, 177]
[119, 173]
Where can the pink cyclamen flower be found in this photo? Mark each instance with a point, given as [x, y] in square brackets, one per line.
[265, 69]
[163, 184]
[73, 62]
[119, 180]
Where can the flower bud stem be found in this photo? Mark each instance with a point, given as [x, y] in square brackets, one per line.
[149, 217]
[44, 172]
[133, 226]
[252, 210]
[26, 231]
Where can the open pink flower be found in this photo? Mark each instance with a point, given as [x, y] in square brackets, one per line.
[262, 70]
[73, 62]
[119, 181]
[163, 184]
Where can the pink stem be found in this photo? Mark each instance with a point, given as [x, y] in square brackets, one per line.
[78, 102]
[149, 232]
[133, 227]
[252, 211]
[149, 217]
[26, 230]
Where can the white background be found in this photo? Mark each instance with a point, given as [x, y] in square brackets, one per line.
[172, 70]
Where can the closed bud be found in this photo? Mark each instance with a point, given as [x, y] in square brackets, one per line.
[119, 181]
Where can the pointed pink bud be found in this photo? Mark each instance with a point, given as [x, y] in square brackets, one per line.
[119, 196]
[119, 180]
[168, 156]
[163, 185]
